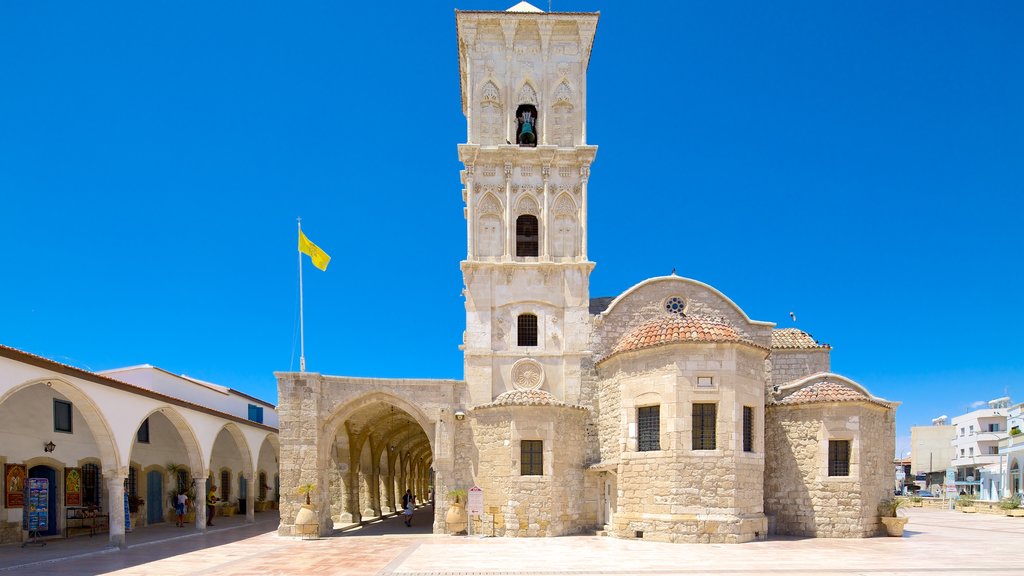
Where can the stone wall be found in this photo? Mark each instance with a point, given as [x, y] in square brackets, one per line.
[790, 365]
[800, 498]
[553, 504]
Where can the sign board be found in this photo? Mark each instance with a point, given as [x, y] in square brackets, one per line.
[950, 475]
[476, 501]
[901, 475]
[35, 516]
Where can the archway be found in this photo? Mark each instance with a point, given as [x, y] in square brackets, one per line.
[165, 457]
[231, 470]
[379, 450]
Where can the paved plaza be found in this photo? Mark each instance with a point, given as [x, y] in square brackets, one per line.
[936, 542]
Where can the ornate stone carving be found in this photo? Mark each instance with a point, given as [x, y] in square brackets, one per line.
[527, 374]
[563, 94]
[489, 170]
[489, 204]
[490, 93]
[529, 206]
[527, 95]
[564, 206]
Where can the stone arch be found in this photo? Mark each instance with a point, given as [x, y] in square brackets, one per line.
[527, 94]
[243, 447]
[528, 205]
[565, 227]
[196, 462]
[492, 123]
[333, 424]
[489, 230]
[99, 427]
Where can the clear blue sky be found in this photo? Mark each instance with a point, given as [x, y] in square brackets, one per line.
[860, 164]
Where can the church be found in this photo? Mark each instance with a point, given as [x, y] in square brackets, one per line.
[664, 413]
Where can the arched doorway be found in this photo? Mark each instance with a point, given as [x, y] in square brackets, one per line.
[379, 451]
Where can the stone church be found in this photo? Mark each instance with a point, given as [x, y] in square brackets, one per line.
[664, 413]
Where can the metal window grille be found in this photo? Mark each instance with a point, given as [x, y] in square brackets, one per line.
[263, 486]
[132, 483]
[225, 485]
[838, 457]
[648, 421]
[704, 426]
[91, 485]
[526, 335]
[143, 434]
[748, 429]
[531, 454]
[527, 235]
[62, 416]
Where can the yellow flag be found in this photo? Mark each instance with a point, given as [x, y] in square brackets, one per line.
[319, 257]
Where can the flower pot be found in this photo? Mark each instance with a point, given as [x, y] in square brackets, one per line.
[306, 522]
[456, 518]
[968, 509]
[894, 526]
[1018, 512]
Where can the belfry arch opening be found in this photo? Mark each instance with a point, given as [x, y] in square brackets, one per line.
[379, 452]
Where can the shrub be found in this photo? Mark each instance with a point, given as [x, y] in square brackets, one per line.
[1010, 503]
[887, 508]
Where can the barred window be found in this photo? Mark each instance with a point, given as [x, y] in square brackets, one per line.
[263, 486]
[225, 485]
[704, 426]
[531, 454]
[526, 333]
[838, 457]
[91, 485]
[648, 431]
[527, 235]
[748, 429]
[132, 483]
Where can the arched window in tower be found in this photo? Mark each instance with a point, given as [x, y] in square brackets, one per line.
[561, 122]
[526, 330]
[564, 234]
[527, 236]
[526, 125]
[490, 115]
[488, 227]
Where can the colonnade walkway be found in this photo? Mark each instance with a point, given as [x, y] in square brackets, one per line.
[936, 542]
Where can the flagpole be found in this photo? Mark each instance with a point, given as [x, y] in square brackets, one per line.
[302, 328]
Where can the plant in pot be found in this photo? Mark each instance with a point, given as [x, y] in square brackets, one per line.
[916, 501]
[1011, 506]
[888, 513]
[966, 503]
[456, 518]
[306, 522]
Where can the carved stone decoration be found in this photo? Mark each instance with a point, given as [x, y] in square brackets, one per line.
[564, 206]
[489, 204]
[490, 93]
[562, 123]
[563, 94]
[491, 125]
[488, 236]
[528, 206]
[527, 95]
[527, 374]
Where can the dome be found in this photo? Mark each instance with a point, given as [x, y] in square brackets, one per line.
[825, 388]
[528, 398]
[675, 329]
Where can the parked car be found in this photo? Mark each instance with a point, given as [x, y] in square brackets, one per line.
[925, 494]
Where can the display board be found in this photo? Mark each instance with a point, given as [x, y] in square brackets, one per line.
[14, 485]
[35, 515]
[72, 486]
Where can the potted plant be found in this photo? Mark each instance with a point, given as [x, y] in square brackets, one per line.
[916, 501]
[887, 512]
[306, 522]
[966, 503]
[456, 518]
[135, 505]
[1012, 506]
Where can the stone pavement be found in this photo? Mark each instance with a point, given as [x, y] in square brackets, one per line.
[936, 542]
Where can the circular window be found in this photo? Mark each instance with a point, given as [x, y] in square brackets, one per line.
[675, 305]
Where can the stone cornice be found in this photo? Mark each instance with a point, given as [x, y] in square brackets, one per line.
[475, 154]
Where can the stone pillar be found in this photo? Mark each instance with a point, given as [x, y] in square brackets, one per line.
[250, 500]
[200, 503]
[470, 217]
[510, 225]
[352, 490]
[546, 213]
[584, 177]
[115, 496]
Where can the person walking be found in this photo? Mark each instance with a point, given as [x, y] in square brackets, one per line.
[211, 505]
[408, 500]
[179, 507]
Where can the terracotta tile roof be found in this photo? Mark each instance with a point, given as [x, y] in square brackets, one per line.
[673, 329]
[794, 338]
[826, 391]
[528, 398]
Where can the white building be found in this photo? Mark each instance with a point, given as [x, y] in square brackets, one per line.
[141, 432]
[976, 457]
[1012, 449]
[931, 451]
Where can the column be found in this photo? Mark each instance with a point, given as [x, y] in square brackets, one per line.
[584, 176]
[200, 503]
[470, 215]
[250, 500]
[545, 213]
[115, 496]
[510, 225]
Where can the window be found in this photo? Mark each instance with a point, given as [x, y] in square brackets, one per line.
[647, 423]
[838, 457]
[531, 453]
[91, 485]
[225, 485]
[62, 416]
[961, 452]
[961, 431]
[181, 479]
[971, 452]
[526, 125]
[262, 490]
[256, 413]
[143, 434]
[748, 429]
[527, 235]
[675, 305]
[993, 449]
[971, 431]
[526, 333]
[132, 483]
[705, 382]
[243, 489]
[993, 427]
[704, 426]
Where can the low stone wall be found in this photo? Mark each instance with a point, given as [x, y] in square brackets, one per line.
[10, 532]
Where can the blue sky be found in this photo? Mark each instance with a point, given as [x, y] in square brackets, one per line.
[859, 164]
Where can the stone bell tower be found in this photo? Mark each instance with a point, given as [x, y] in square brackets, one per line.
[527, 162]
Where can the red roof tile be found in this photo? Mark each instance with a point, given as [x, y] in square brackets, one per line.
[794, 338]
[827, 392]
[674, 329]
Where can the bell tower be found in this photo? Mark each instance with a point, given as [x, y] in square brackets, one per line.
[527, 163]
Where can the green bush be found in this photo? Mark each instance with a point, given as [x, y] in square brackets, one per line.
[1010, 503]
[887, 508]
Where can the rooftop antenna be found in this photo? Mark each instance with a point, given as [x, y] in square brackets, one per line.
[549, 5]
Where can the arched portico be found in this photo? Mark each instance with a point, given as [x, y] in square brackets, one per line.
[363, 443]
